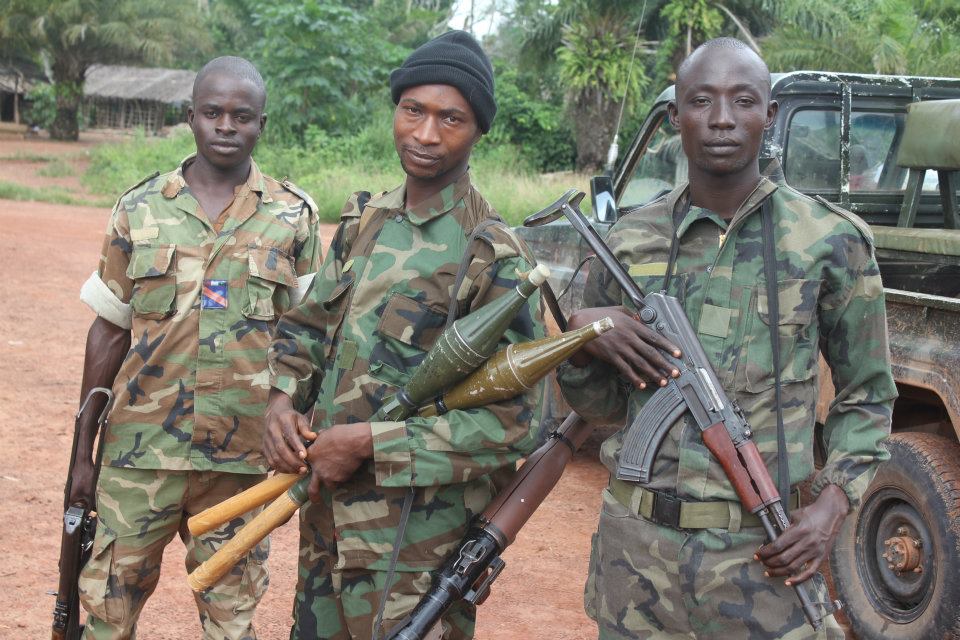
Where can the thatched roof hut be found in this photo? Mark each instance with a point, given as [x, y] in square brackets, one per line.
[120, 97]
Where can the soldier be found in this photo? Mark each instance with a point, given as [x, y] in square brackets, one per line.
[650, 578]
[197, 265]
[398, 495]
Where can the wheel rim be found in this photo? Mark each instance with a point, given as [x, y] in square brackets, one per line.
[895, 555]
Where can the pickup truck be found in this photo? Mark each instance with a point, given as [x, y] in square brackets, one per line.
[888, 149]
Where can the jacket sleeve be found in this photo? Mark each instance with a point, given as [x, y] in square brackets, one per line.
[301, 342]
[464, 444]
[853, 340]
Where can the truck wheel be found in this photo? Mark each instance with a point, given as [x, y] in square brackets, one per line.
[896, 563]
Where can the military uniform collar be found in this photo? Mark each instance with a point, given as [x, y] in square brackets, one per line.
[255, 182]
[679, 196]
[432, 207]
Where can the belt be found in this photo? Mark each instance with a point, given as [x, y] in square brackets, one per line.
[670, 511]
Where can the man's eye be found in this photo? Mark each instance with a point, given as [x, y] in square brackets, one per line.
[700, 101]
[414, 111]
[211, 114]
[452, 120]
[243, 119]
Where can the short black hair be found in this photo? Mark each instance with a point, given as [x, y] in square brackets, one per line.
[239, 68]
[721, 43]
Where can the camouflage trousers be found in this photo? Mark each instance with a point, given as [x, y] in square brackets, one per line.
[649, 581]
[139, 513]
[341, 604]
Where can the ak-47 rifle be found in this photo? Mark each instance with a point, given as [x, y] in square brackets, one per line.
[697, 390]
[79, 526]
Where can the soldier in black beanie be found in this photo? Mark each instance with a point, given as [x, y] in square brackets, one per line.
[390, 500]
[456, 59]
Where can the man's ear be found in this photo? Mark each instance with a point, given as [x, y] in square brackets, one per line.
[263, 123]
[190, 115]
[673, 114]
[772, 108]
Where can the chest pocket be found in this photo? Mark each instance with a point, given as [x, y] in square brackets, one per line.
[268, 267]
[411, 322]
[798, 342]
[154, 281]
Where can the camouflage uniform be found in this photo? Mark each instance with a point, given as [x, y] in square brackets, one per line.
[186, 427]
[377, 305]
[648, 580]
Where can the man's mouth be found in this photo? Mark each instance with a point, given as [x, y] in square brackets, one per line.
[420, 157]
[224, 146]
[721, 143]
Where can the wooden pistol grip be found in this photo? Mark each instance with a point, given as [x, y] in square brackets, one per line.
[258, 494]
[210, 572]
[721, 446]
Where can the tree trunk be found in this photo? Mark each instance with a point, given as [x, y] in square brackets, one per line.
[68, 76]
[65, 124]
[594, 120]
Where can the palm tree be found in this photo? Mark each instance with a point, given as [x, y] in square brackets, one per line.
[71, 35]
[919, 37]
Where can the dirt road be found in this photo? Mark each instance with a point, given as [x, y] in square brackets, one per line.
[46, 252]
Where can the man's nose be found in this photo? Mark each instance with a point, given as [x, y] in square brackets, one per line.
[721, 115]
[427, 132]
[225, 125]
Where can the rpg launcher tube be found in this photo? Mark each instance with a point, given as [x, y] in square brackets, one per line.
[513, 370]
[497, 529]
[463, 347]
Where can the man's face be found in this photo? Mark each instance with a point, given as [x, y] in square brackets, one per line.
[226, 118]
[434, 130]
[722, 108]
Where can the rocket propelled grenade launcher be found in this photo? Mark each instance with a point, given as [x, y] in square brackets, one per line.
[462, 347]
[697, 390]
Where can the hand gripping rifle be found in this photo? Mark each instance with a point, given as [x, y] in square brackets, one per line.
[460, 350]
[697, 390]
[79, 526]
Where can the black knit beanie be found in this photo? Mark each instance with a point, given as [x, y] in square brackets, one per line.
[456, 59]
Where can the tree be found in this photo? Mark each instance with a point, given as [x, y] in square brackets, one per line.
[71, 35]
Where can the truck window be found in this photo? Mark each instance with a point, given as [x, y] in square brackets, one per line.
[662, 165]
[812, 157]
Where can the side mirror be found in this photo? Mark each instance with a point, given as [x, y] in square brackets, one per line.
[601, 196]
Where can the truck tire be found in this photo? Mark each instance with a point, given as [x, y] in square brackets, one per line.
[896, 562]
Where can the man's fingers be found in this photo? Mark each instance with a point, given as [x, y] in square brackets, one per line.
[809, 570]
[303, 426]
[659, 341]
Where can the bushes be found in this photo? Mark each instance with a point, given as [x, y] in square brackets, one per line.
[330, 168]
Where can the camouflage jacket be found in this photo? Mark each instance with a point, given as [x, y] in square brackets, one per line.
[192, 390]
[377, 305]
[830, 302]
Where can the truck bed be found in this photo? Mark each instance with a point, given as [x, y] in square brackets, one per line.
[923, 261]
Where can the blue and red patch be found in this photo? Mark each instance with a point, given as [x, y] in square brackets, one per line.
[214, 294]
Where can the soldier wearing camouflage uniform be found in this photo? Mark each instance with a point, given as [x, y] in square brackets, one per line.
[379, 303]
[197, 264]
[693, 573]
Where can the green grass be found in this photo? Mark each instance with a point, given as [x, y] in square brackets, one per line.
[28, 156]
[59, 168]
[330, 169]
[56, 195]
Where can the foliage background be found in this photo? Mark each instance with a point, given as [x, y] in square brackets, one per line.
[567, 71]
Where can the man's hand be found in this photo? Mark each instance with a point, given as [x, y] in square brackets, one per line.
[807, 542]
[631, 346]
[285, 431]
[337, 453]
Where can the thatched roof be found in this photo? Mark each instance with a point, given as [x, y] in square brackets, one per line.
[173, 86]
[9, 80]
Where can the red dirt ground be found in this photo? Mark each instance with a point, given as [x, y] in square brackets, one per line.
[46, 252]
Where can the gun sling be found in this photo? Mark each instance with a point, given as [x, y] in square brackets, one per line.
[670, 511]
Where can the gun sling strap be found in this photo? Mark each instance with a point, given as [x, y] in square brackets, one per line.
[768, 241]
